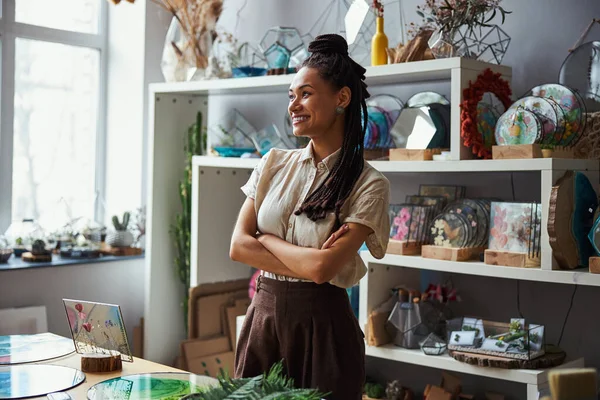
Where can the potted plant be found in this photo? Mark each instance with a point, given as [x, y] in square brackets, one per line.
[373, 391]
[121, 237]
[271, 385]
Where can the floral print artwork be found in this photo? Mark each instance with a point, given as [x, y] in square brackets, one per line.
[450, 230]
[408, 222]
[511, 227]
[97, 328]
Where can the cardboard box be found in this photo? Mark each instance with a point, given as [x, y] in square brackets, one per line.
[215, 365]
[436, 393]
[207, 315]
[240, 308]
[192, 350]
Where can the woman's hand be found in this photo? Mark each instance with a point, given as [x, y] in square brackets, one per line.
[334, 236]
[318, 265]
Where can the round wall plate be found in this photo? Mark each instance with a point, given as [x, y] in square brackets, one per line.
[572, 105]
[549, 112]
[450, 230]
[518, 126]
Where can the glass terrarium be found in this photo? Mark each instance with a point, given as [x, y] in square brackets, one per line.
[248, 61]
[5, 249]
[230, 137]
[283, 48]
[268, 138]
[21, 234]
[433, 345]
[514, 339]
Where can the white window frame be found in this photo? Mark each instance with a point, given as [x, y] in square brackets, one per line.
[9, 32]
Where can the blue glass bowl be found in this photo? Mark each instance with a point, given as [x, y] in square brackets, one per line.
[233, 151]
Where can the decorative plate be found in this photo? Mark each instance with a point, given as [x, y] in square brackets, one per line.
[518, 126]
[150, 386]
[18, 349]
[549, 112]
[572, 105]
[450, 230]
[24, 381]
[426, 98]
[460, 207]
[475, 211]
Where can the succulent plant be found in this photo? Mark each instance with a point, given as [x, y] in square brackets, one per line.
[120, 227]
[39, 247]
[374, 390]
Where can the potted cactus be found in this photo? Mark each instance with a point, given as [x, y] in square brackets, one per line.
[121, 237]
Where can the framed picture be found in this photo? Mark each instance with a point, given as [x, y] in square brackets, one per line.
[462, 338]
[476, 325]
[97, 328]
[515, 227]
[409, 222]
[451, 193]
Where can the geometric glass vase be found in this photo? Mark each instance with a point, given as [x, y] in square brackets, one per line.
[488, 44]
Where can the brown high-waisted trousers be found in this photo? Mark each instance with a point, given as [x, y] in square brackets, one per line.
[312, 328]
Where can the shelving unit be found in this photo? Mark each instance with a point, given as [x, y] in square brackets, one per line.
[216, 200]
[535, 379]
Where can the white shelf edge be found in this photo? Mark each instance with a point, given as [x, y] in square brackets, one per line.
[445, 362]
[536, 164]
[385, 74]
[579, 277]
[224, 162]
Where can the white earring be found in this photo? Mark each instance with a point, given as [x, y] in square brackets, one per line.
[339, 110]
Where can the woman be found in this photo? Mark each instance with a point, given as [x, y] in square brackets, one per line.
[295, 200]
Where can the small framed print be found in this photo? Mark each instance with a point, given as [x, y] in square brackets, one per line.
[494, 345]
[536, 337]
[462, 338]
[476, 325]
[517, 324]
[97, 328]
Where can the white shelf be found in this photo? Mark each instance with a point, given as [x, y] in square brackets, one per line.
[536, 164]
[445, 362]
[578, 276]
[418, 71]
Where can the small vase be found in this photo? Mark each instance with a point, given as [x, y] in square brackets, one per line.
[442, 44]
[379, 45]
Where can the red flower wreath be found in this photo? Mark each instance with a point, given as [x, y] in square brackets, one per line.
[487, 81]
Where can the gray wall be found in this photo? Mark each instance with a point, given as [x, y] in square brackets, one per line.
[542, 31]
[116, 282]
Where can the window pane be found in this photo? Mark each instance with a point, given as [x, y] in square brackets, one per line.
[69, 15]
[56, 97]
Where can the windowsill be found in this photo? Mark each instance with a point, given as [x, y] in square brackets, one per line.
[15, 263]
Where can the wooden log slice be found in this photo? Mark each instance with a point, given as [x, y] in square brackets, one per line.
[28, 256]
[92, 362]
[569, 218]
[551, 359]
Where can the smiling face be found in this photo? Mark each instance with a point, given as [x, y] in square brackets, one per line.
[313, 103]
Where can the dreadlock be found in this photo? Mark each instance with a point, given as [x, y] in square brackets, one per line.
[329, 55]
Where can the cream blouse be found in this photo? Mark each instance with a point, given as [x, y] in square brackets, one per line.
[284, 178]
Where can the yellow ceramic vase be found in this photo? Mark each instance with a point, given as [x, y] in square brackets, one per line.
[379, 44]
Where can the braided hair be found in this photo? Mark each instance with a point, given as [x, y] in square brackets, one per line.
[329, 55]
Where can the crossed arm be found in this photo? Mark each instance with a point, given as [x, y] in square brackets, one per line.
[272, 254]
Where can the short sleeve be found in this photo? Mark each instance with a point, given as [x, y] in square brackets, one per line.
[249, 188]
[370, 209]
